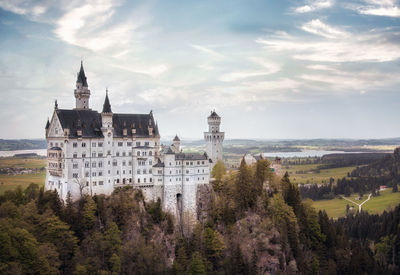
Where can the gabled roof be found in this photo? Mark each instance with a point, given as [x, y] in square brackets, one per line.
[89, 122]
[190, 156]
[167, 150]
[82, 77]
[176, 138]
[214, 114]
[159, 164]
[106, 105]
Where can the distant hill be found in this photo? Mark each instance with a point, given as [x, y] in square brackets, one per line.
[22, 144]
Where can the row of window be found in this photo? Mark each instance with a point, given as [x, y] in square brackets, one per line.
[100, 154]
[100, 144]
[188, 163]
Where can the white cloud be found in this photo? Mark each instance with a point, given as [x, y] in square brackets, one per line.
[25, 7]
[388, 8]
[320, 67]
[318, 27]
[207, 50]
[335, 45]
[314, 5]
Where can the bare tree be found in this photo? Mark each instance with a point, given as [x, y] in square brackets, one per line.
[81, 184]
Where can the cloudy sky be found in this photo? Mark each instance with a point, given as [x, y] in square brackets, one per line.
[270, 68]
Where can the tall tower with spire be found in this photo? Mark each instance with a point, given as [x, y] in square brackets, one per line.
[214, 138]
[82, 92]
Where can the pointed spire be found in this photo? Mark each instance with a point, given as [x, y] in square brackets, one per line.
[82, 77]
[106, 105]
[55, 105]
[47, 124]
[176, 138]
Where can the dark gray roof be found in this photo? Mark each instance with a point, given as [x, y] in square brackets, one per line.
[56, 148]
[82, 77]
[47, 124]
[176, 138]
[190, 156]
[159, 164]
[167, 150]
[106, 105]
[89, 122]
[214, 114]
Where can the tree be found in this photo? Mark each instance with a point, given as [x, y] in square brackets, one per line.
[88, 213]
[218, 172]
[197, 266]
[263, 173]
[214, 245]
[395, 188]
[245, 193]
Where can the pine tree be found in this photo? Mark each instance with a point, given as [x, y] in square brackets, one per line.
[244, 193]
[197, 266]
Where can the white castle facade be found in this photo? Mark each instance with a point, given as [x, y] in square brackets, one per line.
[94, 153]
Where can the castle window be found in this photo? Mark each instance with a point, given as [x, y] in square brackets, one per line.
[109, 172]
[137, 143]
[100, 164]
[120, 144]
[130, 163]
[93, 174]
[75, 166]
[75, 155]
[129, 144]
[130, 180]
[202, 162]
[138, 171]
[94, 183]
[51, 144]
[87, 174]
[187, 163]
[130, 171]
[117, 154]
[93, 144]
[124, 163]
[62, 145]
[191, 163]
[75, 175]
[93, 164]
[144, 171]
[100, 144]
[150, 153]
[138, 180]
[198, 162]
[149, 171]
[123, 172]
[117, 172]
[130, 154]
[109, 152]
[93, 154]
[74, 145]
[187, 171]
[123, 154]
[159, 171]
[198, 170]
[187, 179]
[144, 153]
[101, 182]
[151, 180]
[146, 143]
[138, 153]
[144, 180]
[100, 155]
[100, 173]
[150, 162]
[87, 183]
[115, 163]
[83, 144]
[83, 155]
[117, 180]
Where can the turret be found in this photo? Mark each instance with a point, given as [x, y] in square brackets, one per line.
[214, 138]
[177, 144]
[82, 93]
[106, 114]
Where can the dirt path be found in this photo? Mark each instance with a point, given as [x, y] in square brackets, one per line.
[359, 205]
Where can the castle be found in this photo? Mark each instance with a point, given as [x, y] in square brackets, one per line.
[93, 153]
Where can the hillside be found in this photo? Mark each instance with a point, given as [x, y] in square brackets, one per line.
[22, 144]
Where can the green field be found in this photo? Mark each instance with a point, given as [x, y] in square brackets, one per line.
[8, 182]
[337, 207]
[308, 176]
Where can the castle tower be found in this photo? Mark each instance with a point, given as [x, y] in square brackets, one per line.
[176, 144]
[214, 138]
[82, 93]
[108, 133]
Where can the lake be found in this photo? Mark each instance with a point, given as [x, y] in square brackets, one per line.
[40, 152]
[305, 153]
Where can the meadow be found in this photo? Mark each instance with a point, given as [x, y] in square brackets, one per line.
[306, 174]
[337, 207]
[8, 182]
